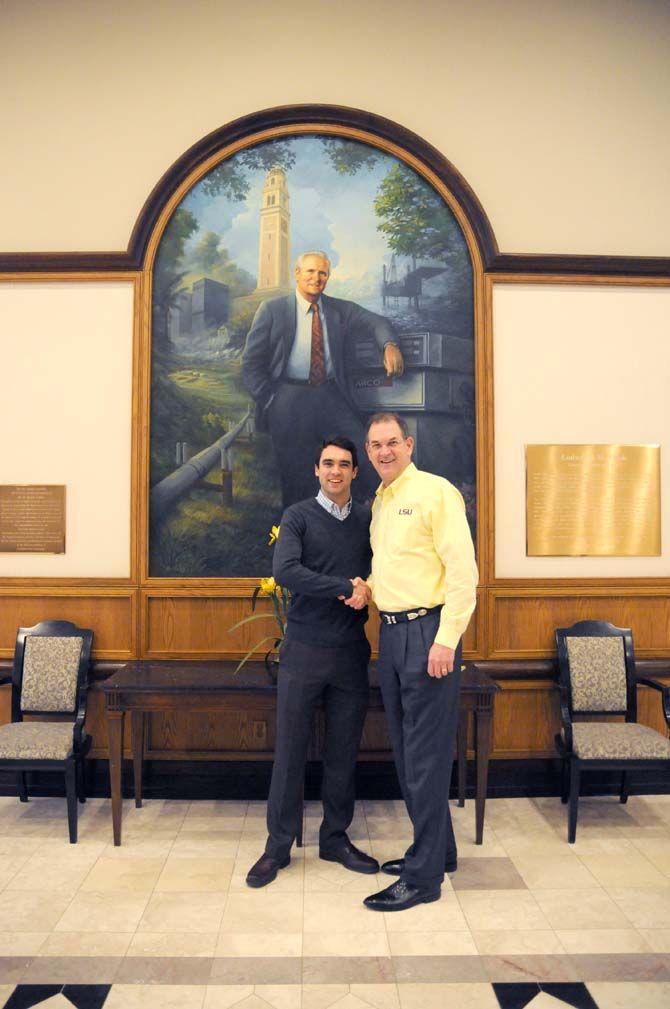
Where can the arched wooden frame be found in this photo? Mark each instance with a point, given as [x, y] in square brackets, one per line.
[126, 616]
[364, 128]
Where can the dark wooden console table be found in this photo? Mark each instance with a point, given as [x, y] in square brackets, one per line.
[144, 686]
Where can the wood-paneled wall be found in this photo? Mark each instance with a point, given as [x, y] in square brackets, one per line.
[110, 611]
[522, 620]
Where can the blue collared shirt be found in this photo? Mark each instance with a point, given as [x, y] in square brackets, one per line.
[299, 360]
[332, 508]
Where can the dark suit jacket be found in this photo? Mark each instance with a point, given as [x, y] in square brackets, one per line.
[270, 340]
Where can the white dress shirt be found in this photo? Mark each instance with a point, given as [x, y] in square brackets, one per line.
[300, 358]
[333, 509]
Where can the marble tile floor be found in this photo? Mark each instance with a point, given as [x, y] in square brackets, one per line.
[166, 920]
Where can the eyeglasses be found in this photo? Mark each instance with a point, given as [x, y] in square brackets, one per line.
[375, 446]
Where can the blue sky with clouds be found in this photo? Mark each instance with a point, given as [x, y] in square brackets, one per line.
[328, 211]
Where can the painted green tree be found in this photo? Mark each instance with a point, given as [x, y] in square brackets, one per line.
[414, 218]
[231, 177]
[168, 272]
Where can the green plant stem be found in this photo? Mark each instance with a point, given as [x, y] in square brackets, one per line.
[270, 637]
[247, 620]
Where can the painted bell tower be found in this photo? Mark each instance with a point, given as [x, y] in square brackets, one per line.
[274, 265]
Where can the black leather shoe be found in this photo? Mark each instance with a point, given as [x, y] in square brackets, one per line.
[399, 896]
[396, 865]
[265, 870]
[350, 857]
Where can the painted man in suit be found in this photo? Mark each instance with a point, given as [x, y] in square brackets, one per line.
[295, 367]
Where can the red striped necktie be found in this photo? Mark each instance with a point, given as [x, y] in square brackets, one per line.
[317, 364]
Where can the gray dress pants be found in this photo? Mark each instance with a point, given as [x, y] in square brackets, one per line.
[310, 675]
[422, 715]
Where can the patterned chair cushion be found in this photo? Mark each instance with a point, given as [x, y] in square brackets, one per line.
[50, 667]
[618, 741]
[35, 740]
[597, 673]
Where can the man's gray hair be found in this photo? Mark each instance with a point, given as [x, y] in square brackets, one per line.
[312, 252]
[383, 418]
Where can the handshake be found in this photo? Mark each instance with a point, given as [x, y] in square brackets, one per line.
[360, 596]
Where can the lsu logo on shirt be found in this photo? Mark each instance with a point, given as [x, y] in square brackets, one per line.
[405, 511]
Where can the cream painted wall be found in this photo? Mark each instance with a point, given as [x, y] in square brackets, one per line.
[65, 417]
[577, 364]
[555, 112]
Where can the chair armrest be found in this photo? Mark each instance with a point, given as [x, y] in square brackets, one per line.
[665, 694]
[565, 716]
[656, 684]
[80, 716]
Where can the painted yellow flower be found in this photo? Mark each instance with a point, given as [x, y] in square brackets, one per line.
[274, 536]
[268, 586]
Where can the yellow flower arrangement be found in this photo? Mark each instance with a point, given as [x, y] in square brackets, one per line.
[280, 597]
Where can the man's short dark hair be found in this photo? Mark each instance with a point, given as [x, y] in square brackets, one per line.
[385, 418]
[339, 441]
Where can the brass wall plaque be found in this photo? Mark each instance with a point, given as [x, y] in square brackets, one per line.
[593, 500]
[32, 518]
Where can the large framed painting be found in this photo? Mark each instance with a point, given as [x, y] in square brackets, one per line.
[232, 430]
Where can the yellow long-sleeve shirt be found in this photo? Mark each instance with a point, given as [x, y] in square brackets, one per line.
[423, 553]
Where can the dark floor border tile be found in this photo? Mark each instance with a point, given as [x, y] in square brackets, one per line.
[25, 996]
[347, 970]
[530, 968]
[443, 969]
[573, 993]
[81, 996]
[256, 970]
[87, 996]
[622, 966]
[191, 970]
[12, 968]
[72, 970]
[515, 994]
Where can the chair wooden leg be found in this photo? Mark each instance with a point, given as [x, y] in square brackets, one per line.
[574, 800]
[81, 783]
[565, 780]
[625, 785]
[71, 793]
[22, 786]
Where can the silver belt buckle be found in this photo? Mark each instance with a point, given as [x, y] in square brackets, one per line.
[417, 613]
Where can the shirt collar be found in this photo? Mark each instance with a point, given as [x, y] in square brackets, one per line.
[304, 305]
[332, 508]
[399, 481]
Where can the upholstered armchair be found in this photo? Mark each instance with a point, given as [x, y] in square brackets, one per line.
[49, 684]
[598, 682]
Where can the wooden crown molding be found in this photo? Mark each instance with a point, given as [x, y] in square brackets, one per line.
[377, 126]
[564, 265]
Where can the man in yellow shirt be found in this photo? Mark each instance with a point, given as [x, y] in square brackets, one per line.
[423, 580]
